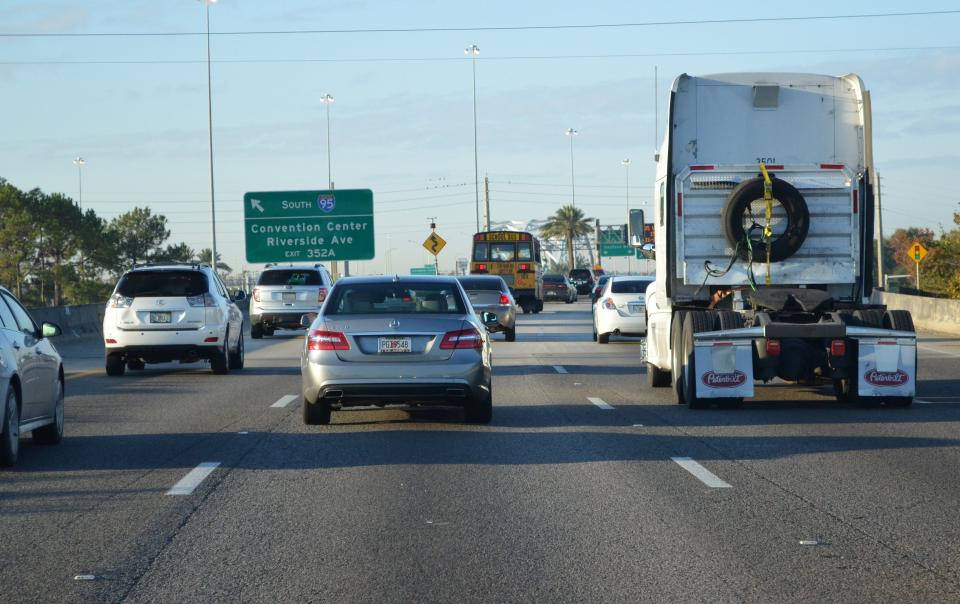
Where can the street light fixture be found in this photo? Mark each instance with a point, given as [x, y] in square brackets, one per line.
[78, 162]
[213, 210]
[573, 190]
[474, 50]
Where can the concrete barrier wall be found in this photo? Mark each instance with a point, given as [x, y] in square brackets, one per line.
[933, 314]
[75, 321]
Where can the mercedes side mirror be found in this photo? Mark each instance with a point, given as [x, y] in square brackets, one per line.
[239, 295]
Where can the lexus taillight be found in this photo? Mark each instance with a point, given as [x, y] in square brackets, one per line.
[322, 295]
[504, 300]
[319, 339]
[201, 300]
[838, 348]
[462, 338]
[773, 348]
[119, 301]
[256, 294]
[609, 304]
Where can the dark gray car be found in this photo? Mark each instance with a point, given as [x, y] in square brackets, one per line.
[490, 293]
[31, 380]
[397, 340]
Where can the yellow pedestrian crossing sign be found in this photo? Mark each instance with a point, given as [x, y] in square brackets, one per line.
[434, 243]
[918, 252]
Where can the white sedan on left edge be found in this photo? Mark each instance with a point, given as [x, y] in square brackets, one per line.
[621, 308]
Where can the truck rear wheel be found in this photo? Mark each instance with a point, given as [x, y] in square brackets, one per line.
[695, 322]
[743, 203]
[656, 377]
[900, 320]
[869, 317]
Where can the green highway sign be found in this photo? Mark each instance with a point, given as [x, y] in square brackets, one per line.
[613, 242]
[308, 226]
[426, 269]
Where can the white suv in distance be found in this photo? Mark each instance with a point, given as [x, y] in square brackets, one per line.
[172, 312]
[284, 294]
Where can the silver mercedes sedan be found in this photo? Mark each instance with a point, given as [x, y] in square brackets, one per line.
[397, 340]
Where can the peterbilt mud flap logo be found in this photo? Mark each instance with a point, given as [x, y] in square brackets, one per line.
[723, 380]
[890, 379]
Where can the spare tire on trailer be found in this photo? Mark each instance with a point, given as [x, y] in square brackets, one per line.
[786, 241]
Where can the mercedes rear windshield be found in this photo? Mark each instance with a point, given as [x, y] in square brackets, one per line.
[395, 298]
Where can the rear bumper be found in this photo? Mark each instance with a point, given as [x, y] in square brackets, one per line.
[166, 353]
[284, 319]
[611, 321]
[150, 339]
[506, 315]
[355, 384]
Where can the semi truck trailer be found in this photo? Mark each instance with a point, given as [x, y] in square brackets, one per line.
[763, 240]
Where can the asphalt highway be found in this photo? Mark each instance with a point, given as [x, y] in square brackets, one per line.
[177, 485]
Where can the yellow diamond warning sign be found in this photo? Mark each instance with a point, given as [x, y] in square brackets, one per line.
[917, 252]
[434, 243]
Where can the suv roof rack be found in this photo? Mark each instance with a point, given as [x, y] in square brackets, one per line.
[291, 265]
[196, 265]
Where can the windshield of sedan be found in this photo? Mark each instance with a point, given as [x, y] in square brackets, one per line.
[476, 284]
[395, 298]
[637, 286]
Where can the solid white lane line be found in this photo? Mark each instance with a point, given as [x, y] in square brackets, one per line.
[637, 425]
[193, 478]
[701, 473]
[559, 369]
[284, 401]
[599, 403]
[919, 402]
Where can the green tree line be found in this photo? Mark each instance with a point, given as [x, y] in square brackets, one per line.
[940, 270]
[52, 253]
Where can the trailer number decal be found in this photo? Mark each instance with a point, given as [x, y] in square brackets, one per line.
[886, 378]
[724, 380]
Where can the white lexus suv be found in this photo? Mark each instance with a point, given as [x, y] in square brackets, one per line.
[172, 312]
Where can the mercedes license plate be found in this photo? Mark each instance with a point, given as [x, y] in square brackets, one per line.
[159, 317]
[394, 345]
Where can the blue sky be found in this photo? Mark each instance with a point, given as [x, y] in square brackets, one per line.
[135, 107]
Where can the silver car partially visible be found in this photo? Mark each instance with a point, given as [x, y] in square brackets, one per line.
[490, 293]
[397, 340]
[31, 380]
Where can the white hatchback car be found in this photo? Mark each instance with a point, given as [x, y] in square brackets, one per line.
[172, 312]
[621, 308]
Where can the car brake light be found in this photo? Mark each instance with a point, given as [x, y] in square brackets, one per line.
[319, 339]
[256, 294]
[524, 267]
[504, 300]
[679, 204]
[855, 201]
[609, 304]
[201, 300]
[211, 339]
[110, 341]
[120, 301]
[773, 348]
[462, 338]
[322, 295]
[838, 348]
[481, 267]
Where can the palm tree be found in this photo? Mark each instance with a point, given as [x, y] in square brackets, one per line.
[204, 255]
[569, 223]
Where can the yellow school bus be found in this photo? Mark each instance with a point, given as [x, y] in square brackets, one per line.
[515, 257]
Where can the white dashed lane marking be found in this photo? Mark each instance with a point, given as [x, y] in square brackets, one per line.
[193, 478]
[285, 400]
[559, 369]
[599, 403]
[701, 473]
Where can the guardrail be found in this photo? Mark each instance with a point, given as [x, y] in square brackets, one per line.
[934, 314]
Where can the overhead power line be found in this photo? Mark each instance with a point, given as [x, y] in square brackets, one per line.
[410, 30]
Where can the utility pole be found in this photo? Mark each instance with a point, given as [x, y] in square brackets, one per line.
[486, 203]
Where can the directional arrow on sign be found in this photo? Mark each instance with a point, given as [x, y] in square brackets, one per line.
[255, 205]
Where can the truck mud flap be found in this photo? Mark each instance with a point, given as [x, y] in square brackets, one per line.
[887, 367]
[724, 368]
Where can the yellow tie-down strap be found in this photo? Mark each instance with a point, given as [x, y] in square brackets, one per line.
[768, 202]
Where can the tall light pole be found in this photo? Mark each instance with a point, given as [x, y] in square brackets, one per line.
[473, 50]
[626, 169]
[213, 209]
[573, 190]
[327, 100]
[78, 162]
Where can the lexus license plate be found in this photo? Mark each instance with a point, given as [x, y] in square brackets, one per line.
[159, 317]
[394, 345]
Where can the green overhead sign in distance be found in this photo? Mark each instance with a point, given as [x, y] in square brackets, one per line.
[308, 226]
